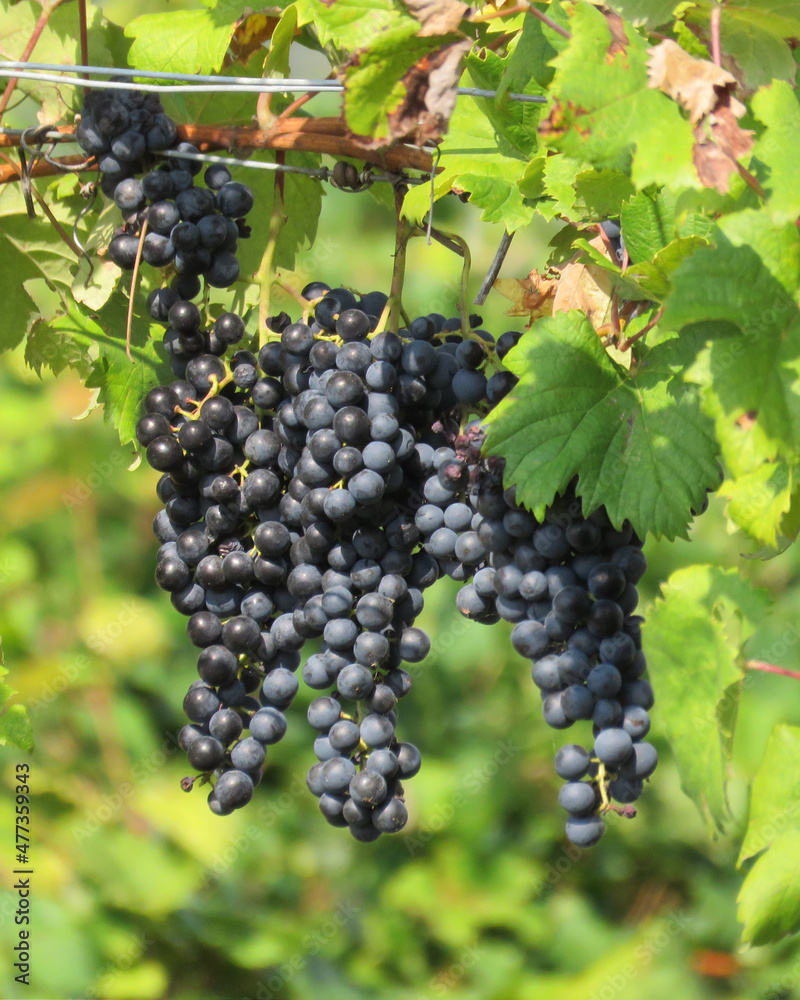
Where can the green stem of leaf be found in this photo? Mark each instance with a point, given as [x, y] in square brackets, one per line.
[403, 233]
[134, 279]
[265, 275]
[626, 344]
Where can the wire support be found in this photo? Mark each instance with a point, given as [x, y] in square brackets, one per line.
[358, 182]
[197, 83]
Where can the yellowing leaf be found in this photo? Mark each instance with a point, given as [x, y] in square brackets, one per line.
[588, 288]
[250, 34]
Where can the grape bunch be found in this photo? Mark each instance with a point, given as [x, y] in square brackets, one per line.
[313, 491]
[196, 229]
[568, 585]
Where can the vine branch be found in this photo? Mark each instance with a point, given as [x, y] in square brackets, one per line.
[307, 135]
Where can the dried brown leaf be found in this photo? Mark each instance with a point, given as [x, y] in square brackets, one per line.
[697, 84]
[438, 17]
[531, 296]
[719, 142]
[620, 39]
[431, 87]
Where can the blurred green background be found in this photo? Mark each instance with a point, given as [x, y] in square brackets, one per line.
[140, 892]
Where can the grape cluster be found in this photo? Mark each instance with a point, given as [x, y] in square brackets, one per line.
[194, 228]
[290, 482]
[568, 585]
[313, 491]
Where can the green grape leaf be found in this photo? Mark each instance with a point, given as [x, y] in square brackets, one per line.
[761, 56]
[636, 439]
[753, 36]
[694, 636]
[515, 122]
[759, 500]
[775, 793]
[780, 17]
[776, 152]
[469, 161]
[559, 175]
[277, 61]
[648, 279]
[15, 724]
[501, 202]
[760, 488]
[214, 107]
[49, 347]
[650, 13]
[185, 41]
[769, 900]
[610, 116]
[94, 283]
[15, 728]
[648, 224]
[122, 388]
[531, 184]
[351, 24]
[654, 276]
[599, 194]
[121, 384]
[302, 199]
[58, 42]
[530, 58]
[753, 369]
[39, 280]
[778, 245]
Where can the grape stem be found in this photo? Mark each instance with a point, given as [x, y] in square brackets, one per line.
[628, 341]
[284, 286]
[134, 278]
[601, 783]
[716, 54]
[265, 274]
[403, 233]
[520, 8]
[770, 668]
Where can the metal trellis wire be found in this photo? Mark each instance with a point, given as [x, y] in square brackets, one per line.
[196, 83]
